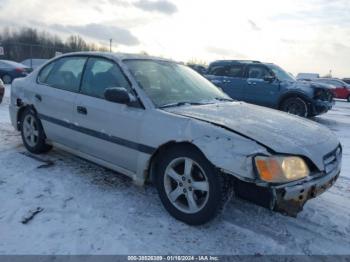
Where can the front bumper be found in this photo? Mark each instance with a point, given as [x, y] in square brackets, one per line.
[320, 107]
[290, 198]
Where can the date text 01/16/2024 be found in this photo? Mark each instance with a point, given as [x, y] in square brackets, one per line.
[173, 258]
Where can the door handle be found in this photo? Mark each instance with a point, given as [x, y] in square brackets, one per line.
[82, 110]
[38, 97]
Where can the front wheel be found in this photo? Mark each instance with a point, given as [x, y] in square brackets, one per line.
[348, 98]
[295, 106]
[32, 132]
[189, 187]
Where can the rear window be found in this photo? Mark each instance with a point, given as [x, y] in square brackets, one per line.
[10, 64]
[227, 70]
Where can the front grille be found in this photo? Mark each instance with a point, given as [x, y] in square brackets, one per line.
[332, 160]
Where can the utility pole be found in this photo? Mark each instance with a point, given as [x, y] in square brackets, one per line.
[110, 45]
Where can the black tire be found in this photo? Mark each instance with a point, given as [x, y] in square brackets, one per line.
[214, 197]
[37, 145]
[348, 98]
[296, 106]
[7, 79]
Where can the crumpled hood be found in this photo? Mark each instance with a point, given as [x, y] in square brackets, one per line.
[312, 84]
[281, 132]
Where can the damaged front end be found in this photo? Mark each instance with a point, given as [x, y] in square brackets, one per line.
[290, 198]
[323, 101]
[272, 163]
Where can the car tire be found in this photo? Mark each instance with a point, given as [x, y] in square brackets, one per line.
[189, 186]
[348, 98]
[7, 79]
[32, 132]
[296, 106]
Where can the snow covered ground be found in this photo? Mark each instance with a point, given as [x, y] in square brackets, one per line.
[90, 210]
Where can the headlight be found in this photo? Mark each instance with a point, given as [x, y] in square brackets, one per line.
[279, 169]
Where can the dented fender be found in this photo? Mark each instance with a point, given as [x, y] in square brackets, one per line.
[231, 153]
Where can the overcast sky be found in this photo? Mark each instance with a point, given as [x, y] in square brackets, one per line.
[299, 35]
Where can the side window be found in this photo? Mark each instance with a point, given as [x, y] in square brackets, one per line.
[217, 71]
[45, 73]
[101, 74]
[234, 71]
[227, 70]
[336, 83]
[258, 72]
[65, 73]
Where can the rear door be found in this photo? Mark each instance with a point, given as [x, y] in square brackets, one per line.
[229, 78]
[108, 131]
[259, 91]
[55, 96]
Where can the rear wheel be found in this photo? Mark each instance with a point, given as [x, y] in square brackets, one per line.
[189, 187]
[348, 98]
[32, 132]
[7, 79]
[296, 106]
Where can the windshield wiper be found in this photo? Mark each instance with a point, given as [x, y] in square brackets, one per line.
[180, 104]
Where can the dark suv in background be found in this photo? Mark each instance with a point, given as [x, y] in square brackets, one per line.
[269, 85]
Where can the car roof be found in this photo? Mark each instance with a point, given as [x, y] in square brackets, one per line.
[329, 78]
[332, 79]
[12, 63]
[235, 62]
[119, 56]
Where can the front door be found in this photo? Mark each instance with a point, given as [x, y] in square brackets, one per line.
[109, 131]
[258, 90]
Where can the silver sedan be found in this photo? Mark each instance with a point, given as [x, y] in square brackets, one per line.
[154, 119]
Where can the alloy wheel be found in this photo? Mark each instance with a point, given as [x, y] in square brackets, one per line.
[30, 130]
[186, 185]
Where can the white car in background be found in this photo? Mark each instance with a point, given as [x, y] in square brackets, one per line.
[307, 76]
[154, 119]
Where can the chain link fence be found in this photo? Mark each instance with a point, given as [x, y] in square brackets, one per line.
[21, 51]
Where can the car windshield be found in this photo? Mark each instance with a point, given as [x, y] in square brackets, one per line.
[172, 84]
[280, 73]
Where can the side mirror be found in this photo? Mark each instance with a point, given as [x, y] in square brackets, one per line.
[269, 79]
[117, 95]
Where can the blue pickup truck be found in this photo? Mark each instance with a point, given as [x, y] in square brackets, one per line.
[269, 85]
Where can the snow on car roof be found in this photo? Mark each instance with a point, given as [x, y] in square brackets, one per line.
[119, 56]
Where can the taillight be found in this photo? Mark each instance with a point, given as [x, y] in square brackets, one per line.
[20, 70]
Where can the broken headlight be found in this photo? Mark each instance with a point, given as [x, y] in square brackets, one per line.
[323, 94]
[280, 169]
